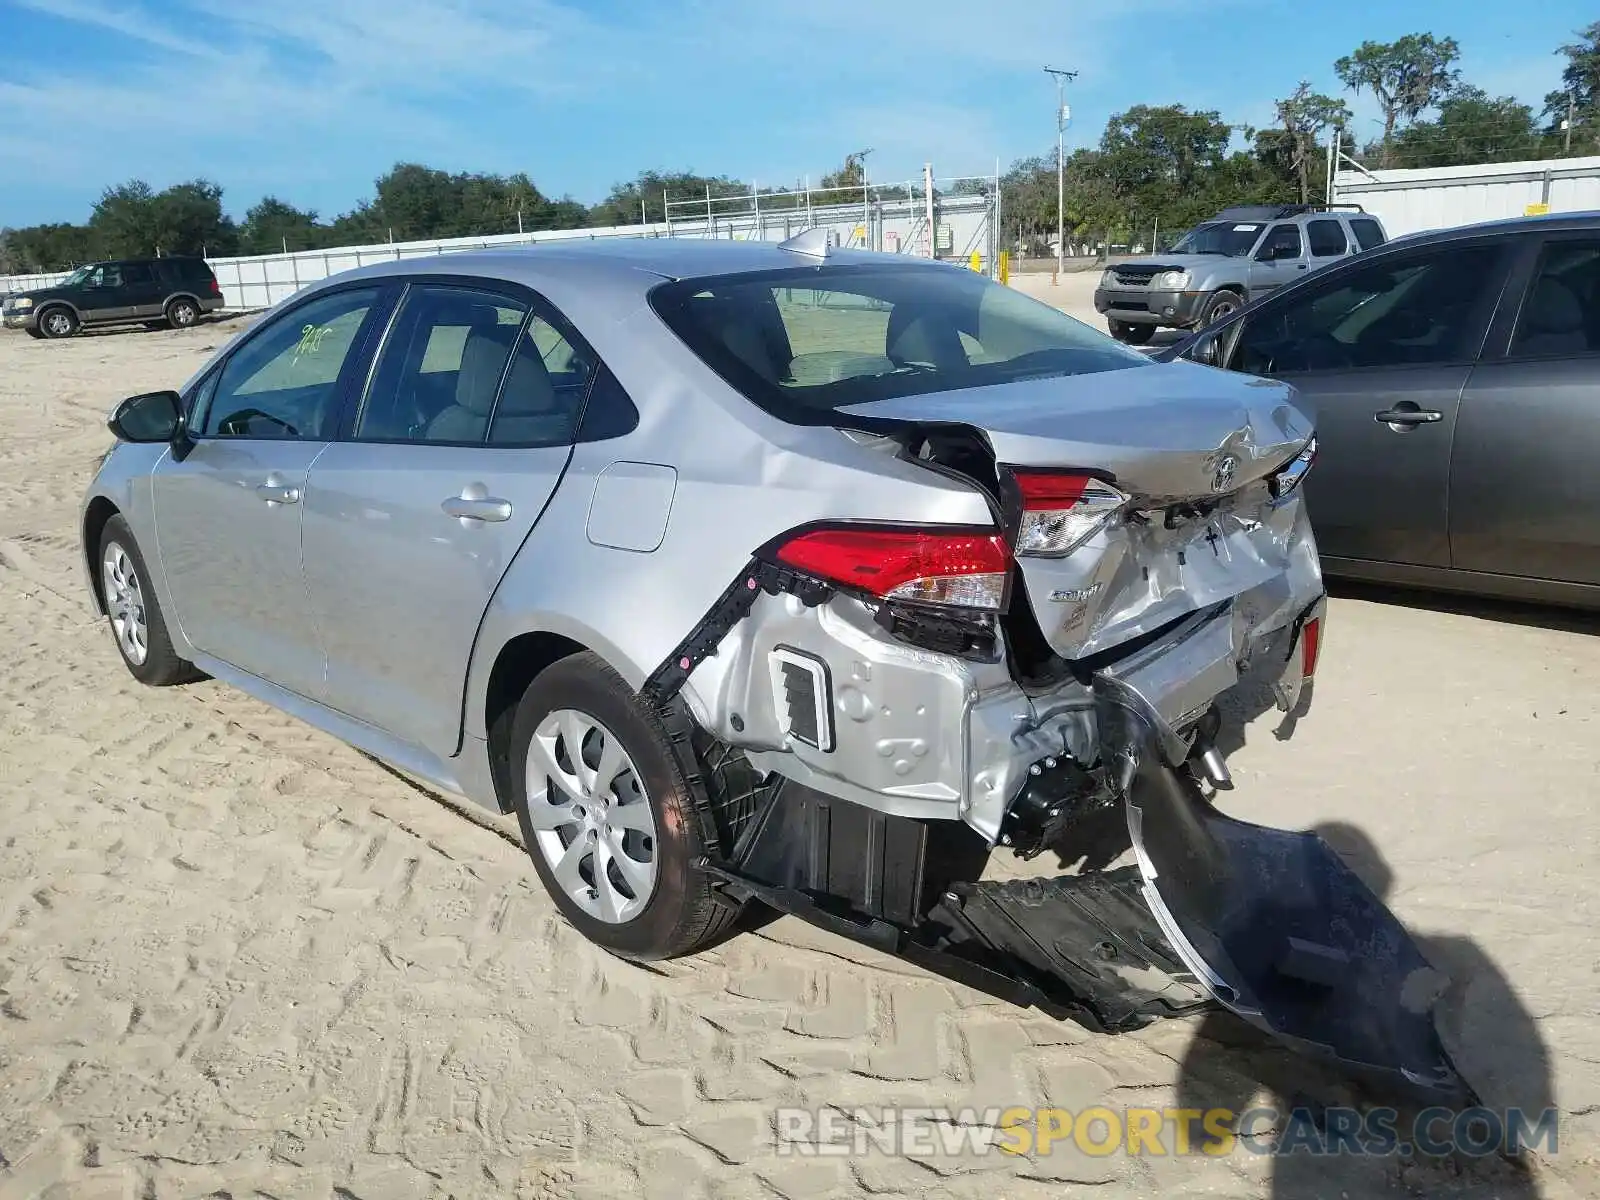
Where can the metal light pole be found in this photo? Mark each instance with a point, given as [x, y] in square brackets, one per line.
[1061, 168]
[866, 200]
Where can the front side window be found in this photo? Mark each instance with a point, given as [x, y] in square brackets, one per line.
[1561, 314]
[284, 381]
[107, 276]
[1410, 309]
[1326, 238]
[804, 342]
[1282, 241]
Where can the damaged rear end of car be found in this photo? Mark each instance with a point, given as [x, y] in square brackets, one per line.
[872, 708]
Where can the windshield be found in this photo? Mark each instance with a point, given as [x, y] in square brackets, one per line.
[77, 276]
[1233, 239]
[803, 342]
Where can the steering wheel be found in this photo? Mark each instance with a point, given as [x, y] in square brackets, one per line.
[238, 424]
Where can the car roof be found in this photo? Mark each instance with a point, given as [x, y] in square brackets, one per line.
[665, 257]
[1508, 226]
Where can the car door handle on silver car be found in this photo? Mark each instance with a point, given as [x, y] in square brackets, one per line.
[275, 491]
[475, 504]
[1407, 417]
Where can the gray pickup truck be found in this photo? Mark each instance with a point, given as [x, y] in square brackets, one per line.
[1220, 264]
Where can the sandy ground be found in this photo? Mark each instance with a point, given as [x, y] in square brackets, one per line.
[239, 959]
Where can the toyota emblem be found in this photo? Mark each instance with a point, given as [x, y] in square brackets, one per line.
[1222, 477]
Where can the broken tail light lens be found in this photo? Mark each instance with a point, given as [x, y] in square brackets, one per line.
[922, 566]
[1286, 480]
[1061, 510]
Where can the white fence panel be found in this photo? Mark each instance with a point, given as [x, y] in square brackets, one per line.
[1440, 198]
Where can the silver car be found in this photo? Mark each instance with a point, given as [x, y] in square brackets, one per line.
[772, 573]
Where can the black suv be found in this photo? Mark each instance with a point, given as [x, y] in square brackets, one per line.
[159, 293]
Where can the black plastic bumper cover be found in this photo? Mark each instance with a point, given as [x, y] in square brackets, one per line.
[1272, 922]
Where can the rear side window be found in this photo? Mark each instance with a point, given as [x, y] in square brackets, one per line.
[1561, 315]
[1368, 232]
[137, 272]
[1326, 238]
[804, 342]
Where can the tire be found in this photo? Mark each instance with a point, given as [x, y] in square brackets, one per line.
[57, 322]
[1134, 335]
[1221, 306]
[182, 313]
[32, 332]
[646, 816]
[127, 591]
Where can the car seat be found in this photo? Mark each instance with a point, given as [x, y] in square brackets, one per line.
[1554, 322]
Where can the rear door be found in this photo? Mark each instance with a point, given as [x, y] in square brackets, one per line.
[142, 290]
[1524, 487]
[1380, 351]
[1279, 260]
[413, 515]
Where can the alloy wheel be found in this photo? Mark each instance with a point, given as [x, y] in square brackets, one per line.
[57, 323]
[125, 604]
[591, 817]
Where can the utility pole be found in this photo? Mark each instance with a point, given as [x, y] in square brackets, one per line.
[866, 200]
[1567, 124]
[1062, 116]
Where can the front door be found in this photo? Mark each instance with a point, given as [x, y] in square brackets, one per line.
[102, 295]
[1380, 352]
[228, 514]
[1279, 260]
[412, 518]
[1524, 488]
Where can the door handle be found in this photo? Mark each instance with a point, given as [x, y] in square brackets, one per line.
[278, 493]
[475, 504]
[1407, 416]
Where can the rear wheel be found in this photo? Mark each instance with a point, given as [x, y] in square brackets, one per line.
[58, 322]
[607, 816]
[133, 612]
[1134, 335]
[182, 313]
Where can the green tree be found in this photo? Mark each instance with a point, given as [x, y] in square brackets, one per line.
[1579, 96]
[1304, 116]
[643, 198]
[123, 221]
[187, 218]
[54, 247]
[1406, 77]
[273, 224]
[1472, 127]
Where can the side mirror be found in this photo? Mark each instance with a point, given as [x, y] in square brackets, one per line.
[150, 417]
[1205, 351]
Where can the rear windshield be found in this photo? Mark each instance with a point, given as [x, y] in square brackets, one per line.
[805, 341]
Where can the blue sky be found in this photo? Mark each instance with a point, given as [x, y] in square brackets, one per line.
[312, 99]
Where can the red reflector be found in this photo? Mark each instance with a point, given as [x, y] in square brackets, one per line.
[1047, 490]
[1310, 646]
[880, 560]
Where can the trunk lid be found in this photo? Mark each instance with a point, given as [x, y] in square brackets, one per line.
[1191, 446]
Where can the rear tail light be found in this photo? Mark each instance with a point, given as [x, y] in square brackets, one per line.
[216, 288]
[1286, 480]
[1061, 510]
[1310, 647]
[924, 566]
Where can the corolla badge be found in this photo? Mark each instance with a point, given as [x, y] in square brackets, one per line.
[1222, 474]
